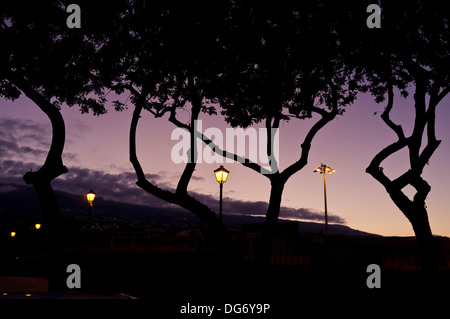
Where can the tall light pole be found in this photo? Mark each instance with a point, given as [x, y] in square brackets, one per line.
[322, 169]
[90, 198]
[221, 176]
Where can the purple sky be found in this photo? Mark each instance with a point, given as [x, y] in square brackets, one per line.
[96, 154]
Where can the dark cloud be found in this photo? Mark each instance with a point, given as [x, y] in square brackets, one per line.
[10, 149]
[23, 139]
[309, 214]
[27, 140]
[259, 208]
[14, 170]
[23, 145]
[122, 187]
[118, 187]
[7, 148]
[197, 178]
[13, 127]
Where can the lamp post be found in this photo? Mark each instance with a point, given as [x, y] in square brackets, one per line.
[221, 176]
[322, 169]
[90, 198]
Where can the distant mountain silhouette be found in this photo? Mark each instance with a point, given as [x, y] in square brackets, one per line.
[21, 204]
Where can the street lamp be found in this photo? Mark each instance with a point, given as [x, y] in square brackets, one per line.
[90, 198]
[322, 169]
[221, 176]
[13, 234]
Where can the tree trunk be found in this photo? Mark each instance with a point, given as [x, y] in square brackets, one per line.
[424, 237]
[52, 229]
[41, 181]
[414, 210]
[181, 198]
[417, 215]
[269, 230]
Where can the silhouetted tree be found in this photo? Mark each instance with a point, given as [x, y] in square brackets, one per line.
[52, 65]
[165, 55]
[259, 62]
[286, 63]
[409, 52]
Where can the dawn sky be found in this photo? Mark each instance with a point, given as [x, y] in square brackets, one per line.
[96, 155]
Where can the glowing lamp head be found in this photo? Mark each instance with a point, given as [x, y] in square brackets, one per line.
[13, 234]
[90, 197]
[221, 174]
[37, 226]
[322, 169]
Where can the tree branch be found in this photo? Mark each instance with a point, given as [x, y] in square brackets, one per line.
[192, 157]
[386, 115]
[132, 142]
[173, 119]
[441, 95]
[241, 159]
[270, 148]
[215, 148]
[384, 153]
[419, 123]
[306, 145]
[53, 165]
[423, 117]
[422, 189]
[374, 168]
[181, 199]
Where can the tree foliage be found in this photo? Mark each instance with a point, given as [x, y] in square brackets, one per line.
[286, 61]
[52, 65]
[255, 62]
[57, 62]
[251, 61]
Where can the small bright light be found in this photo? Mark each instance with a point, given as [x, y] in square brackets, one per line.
[13, 234]
[90, 197]
[322, 169]
[37, 226]
[221, 174]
